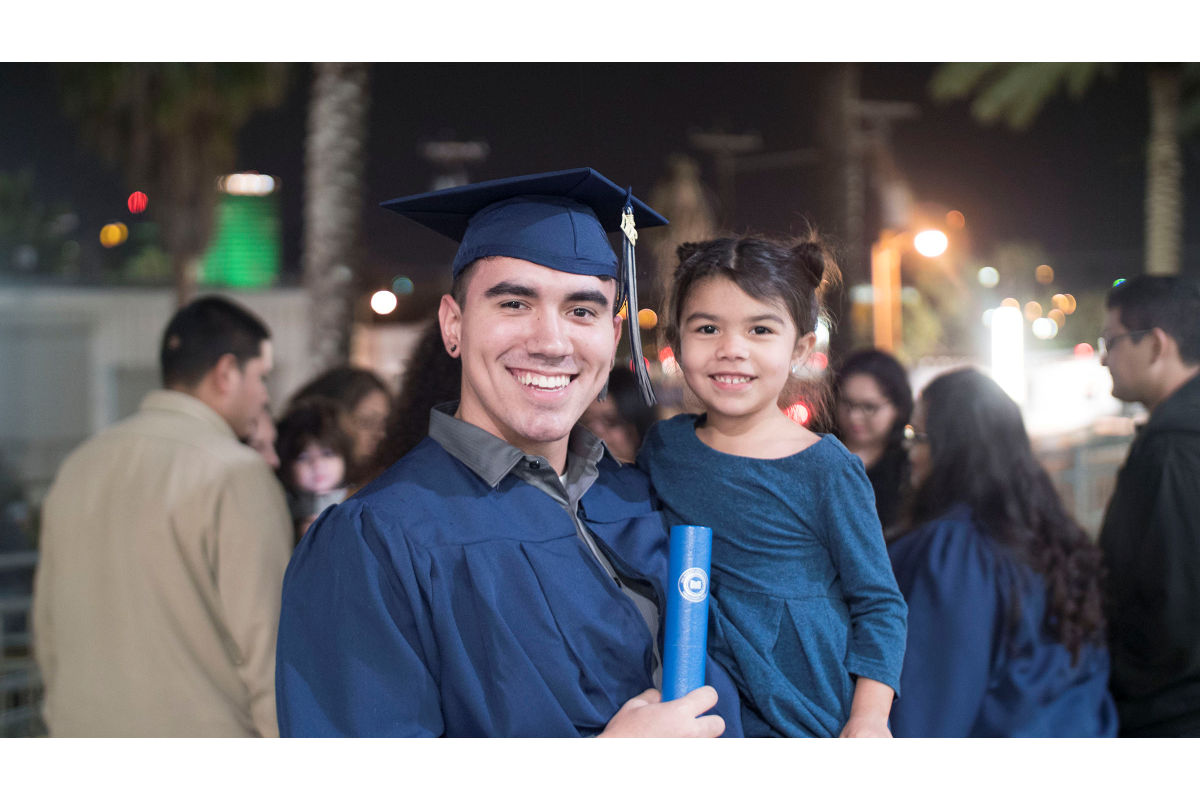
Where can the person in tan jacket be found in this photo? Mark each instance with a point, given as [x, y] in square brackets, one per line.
[163, 546]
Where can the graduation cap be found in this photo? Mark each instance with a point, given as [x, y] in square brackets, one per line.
[558, 220]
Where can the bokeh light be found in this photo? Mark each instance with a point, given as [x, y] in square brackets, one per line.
[989, 277]
[384, 302]
[931, 243]
[1033, 310]
[113, 234]
[402, 284]
[1044, 273]
[246, 183]
[1010, 302]
[956, 220]
[822, 332]
[666, 357]
[1044, 328]
[818, 361]
[1058, 316]
[798, 412]
[1084, 350]
[647, 319]
[137, 202]
[1071, 305]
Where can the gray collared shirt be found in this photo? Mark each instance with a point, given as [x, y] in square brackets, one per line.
[491, 458]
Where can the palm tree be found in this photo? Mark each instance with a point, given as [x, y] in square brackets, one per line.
[172, 129]
[681, 197]
[1015, 93]
[333, 182]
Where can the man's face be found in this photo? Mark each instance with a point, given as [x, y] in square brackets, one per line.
[248, 397]
[1127, 360]
[536, 347]
[262, 438]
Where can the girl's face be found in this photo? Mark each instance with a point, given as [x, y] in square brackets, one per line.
[864, 413]
[318, 469]
[736, 351]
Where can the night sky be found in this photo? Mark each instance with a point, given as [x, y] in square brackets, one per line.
[1073, 183]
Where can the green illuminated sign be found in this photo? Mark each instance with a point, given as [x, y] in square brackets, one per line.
[245, 250]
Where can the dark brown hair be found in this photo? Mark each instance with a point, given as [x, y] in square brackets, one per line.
[313, 420]
[793, 273]
[980, 456]
[202, 332]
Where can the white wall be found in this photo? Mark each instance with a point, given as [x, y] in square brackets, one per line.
[73, 360]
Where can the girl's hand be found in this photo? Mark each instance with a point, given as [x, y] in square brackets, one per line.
[869, 711]
[865, 728]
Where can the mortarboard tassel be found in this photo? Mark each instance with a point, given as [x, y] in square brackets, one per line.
[629, 268]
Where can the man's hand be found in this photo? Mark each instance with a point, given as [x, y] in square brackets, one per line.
[647, 716]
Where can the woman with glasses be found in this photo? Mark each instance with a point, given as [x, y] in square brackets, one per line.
[365, 402]
[874, 402]
[1005, 628]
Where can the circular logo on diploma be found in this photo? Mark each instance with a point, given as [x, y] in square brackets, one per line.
[693, 584]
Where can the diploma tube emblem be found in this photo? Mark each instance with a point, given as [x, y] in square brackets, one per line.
[693, 585]
[685, 633]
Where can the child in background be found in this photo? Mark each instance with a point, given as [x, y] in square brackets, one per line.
[805, 612]
[313, 452]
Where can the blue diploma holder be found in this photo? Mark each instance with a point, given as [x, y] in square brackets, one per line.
[686, 636]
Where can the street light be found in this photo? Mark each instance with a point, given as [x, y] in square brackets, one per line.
[885, 277]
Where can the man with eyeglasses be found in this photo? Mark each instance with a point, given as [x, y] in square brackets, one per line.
[1151, 532]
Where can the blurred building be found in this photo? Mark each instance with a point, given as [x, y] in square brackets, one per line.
[76, 359]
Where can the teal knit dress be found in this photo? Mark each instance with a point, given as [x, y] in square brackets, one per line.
[802, 596]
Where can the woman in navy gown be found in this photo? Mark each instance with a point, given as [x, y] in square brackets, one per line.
[1005, 629]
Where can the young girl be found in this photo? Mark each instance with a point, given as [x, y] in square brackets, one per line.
[313, 452]
[806, 615]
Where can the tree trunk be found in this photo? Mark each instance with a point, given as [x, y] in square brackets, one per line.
[1164, 173]
[682, 198]
[844, 175]
[334, 156]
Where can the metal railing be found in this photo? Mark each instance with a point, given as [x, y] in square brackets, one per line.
[20, 681]
[1084, 470]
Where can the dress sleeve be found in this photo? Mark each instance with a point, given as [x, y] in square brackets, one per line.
[877, 611]
[948, 577]
[254, 540]
[355, 650]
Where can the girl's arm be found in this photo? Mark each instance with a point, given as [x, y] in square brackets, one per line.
[877, 610]
[869, 711]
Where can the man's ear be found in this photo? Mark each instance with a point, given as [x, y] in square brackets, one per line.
[226, 374]
[450, 320]
[1164, 345]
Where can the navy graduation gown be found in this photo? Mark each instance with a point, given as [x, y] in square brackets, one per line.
[431, 604]
[970, 669]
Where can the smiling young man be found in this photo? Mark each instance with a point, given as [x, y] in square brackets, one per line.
[505, 577]
[1151, 532]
